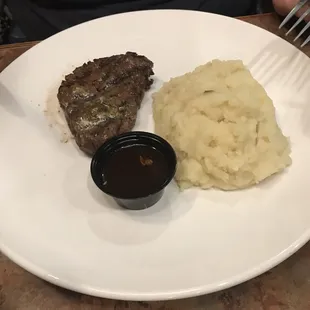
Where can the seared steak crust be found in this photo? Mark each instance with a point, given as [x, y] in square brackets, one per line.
[101, 98]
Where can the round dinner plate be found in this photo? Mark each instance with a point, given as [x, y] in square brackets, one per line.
[57, 225]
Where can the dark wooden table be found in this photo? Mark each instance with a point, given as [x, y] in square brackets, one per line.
[286, 287]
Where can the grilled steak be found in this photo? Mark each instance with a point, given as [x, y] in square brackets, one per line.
[101, 98]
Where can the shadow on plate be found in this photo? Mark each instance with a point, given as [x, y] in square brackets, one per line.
[174, 202]
[234, 198]
[290, 76]
[305, 119]
[122, 226]
[28, 112]
[273, 63]
[113, 224]
[273, 180]
[9, 103]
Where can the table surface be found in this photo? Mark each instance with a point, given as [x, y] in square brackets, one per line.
[286, 287]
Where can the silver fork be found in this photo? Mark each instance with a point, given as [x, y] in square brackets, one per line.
[298, 6]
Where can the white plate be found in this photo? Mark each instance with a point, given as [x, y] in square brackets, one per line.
[56, 224]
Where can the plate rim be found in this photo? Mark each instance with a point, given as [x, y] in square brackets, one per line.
[236, 19]
[171, 295]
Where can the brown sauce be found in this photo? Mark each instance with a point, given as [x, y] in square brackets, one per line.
[135, 171]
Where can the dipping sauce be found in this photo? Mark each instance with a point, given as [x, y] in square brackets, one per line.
[134, 168]
[135, 171]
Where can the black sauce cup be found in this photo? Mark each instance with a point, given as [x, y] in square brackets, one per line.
[134, 138]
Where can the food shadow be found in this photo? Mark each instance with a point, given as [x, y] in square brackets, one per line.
[172, 195]
[111, 223]
[272, 181]
[120, 226]
[250, 195]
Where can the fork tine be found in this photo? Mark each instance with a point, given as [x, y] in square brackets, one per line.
[306, 41]
[302, 31]
[301, 18]
[298, 6]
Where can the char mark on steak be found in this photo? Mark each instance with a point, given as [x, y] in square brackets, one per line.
[101, 98]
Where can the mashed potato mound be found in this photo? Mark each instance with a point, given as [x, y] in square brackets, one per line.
[222, 125]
